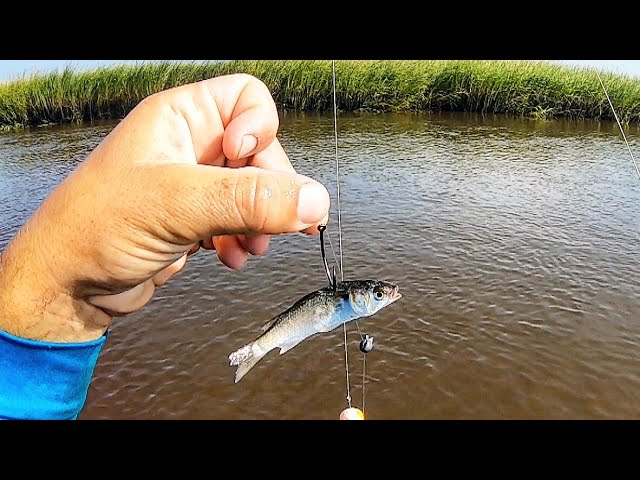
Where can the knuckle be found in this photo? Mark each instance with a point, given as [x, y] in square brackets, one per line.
[249, 79]
[254, 201]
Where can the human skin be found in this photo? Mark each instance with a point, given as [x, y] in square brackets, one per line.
[193, 168]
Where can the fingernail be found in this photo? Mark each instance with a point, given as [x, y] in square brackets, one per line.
[313, 201]
[248, 145]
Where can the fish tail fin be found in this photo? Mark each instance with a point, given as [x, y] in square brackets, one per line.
[245, 358]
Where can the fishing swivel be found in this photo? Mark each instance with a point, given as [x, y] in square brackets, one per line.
[366, 344]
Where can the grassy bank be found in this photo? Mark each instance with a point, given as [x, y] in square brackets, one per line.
[535, 89]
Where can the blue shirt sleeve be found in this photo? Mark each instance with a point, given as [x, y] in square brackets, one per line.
[43, 380]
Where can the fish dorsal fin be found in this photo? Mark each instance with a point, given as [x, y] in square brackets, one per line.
[269, 324]
[299, 303]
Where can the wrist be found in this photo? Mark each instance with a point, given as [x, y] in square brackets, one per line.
[33, 305]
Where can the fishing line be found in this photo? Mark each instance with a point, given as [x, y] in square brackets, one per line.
[335, 258]
[619, 124]
[335, 131]
[340, 249]
[362, 337]
[364, 365]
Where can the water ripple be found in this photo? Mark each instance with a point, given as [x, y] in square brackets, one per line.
[512, 241]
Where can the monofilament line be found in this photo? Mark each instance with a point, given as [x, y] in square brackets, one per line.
[619, 124]
[364, 367]
[335, 131]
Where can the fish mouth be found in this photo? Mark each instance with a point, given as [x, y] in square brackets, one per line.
[395, 295]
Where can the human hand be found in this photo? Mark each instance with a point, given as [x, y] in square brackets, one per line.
[163, 183]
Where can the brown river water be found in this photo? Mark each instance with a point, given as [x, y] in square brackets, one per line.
[514, 243]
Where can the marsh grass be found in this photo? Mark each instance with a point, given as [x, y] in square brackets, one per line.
[521, 88]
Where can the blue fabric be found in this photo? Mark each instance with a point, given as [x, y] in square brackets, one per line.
[42, 380]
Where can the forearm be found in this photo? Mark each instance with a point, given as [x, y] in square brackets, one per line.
[34, 305]
[49, 341]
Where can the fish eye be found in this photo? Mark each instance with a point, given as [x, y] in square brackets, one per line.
[378, 293]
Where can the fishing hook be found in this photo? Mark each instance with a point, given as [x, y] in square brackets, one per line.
[332, 278]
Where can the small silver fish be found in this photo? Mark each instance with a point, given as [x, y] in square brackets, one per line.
[319, 311]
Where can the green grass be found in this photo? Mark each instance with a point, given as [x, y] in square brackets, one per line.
[520, 88]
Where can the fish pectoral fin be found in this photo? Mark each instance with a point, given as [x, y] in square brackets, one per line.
[285, 347]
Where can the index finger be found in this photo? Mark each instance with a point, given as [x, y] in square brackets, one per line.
[232, 116]
[273, 158]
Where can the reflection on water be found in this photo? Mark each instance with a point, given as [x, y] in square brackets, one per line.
[512, 242]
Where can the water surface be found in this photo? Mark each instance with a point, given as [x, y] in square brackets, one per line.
[514, 243]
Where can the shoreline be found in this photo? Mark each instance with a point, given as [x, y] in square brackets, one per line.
[533, 89]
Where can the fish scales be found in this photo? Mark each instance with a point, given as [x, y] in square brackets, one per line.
[316, 312]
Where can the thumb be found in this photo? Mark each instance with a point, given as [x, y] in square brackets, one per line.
[204, 201]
